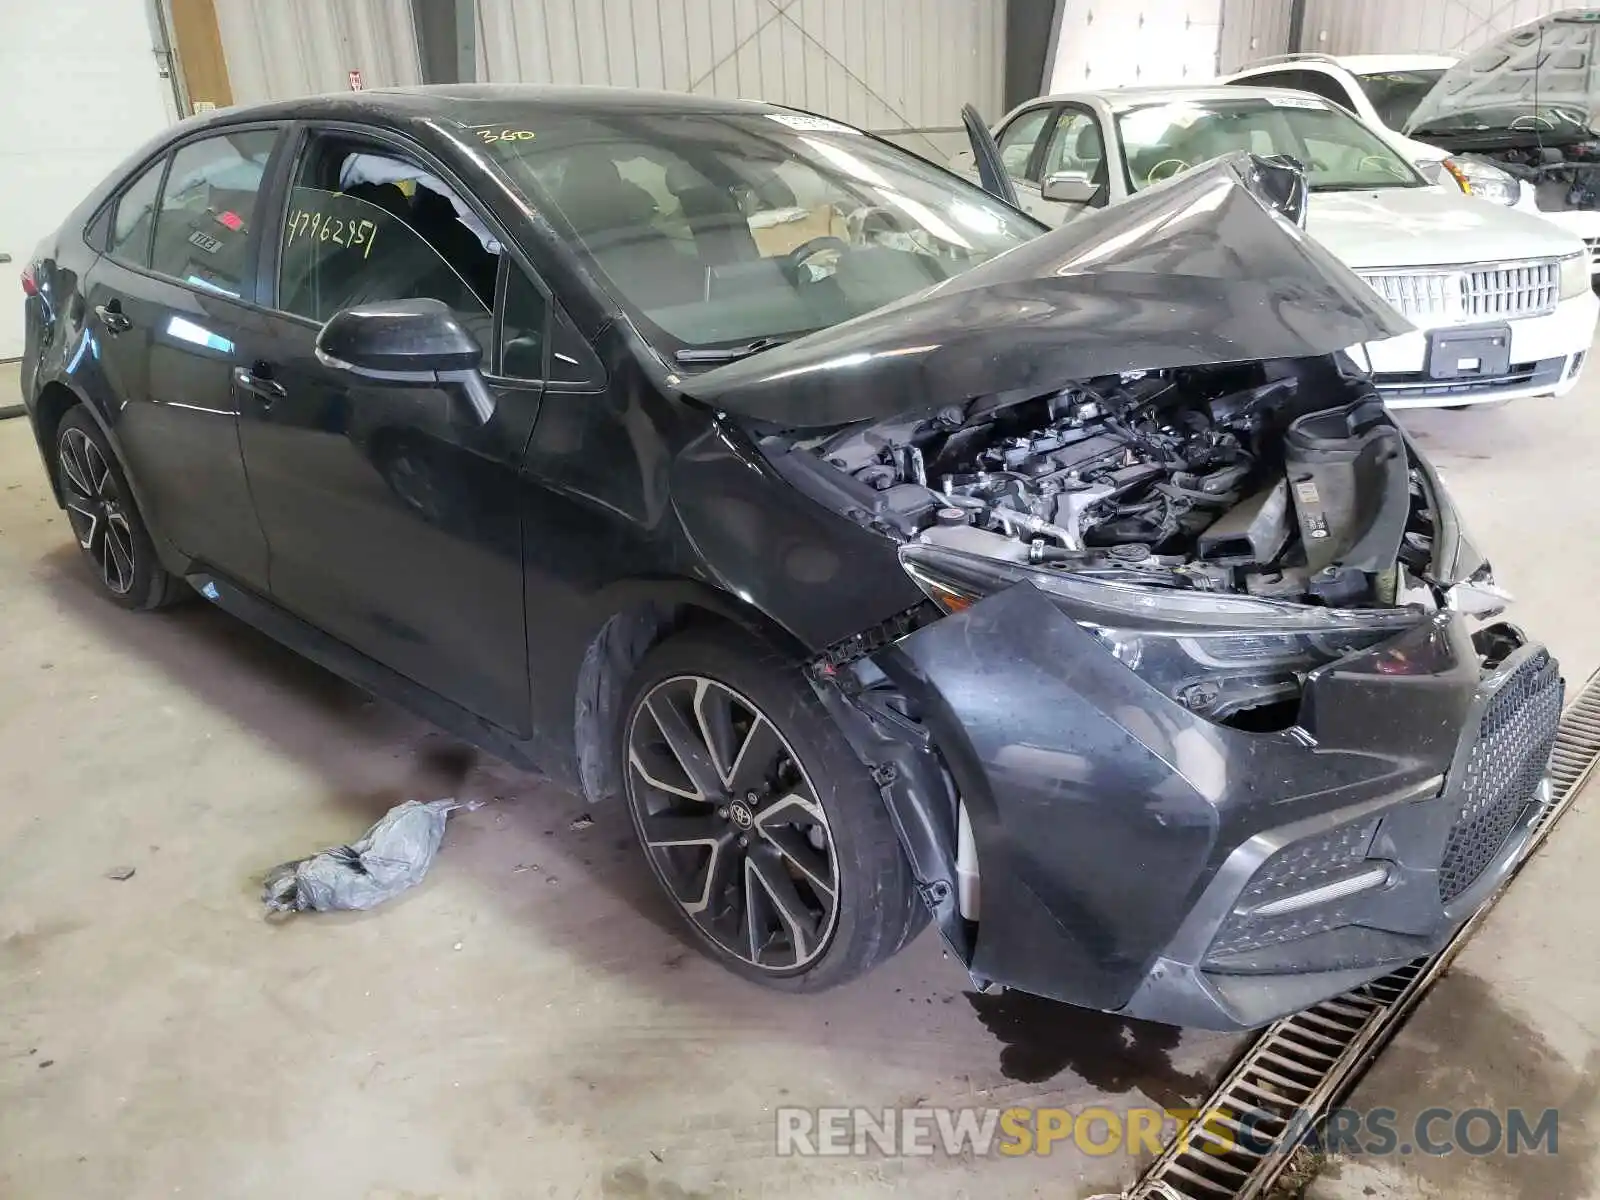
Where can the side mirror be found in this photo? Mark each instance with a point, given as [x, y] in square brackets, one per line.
[1280, 181]
[1070, 187]
[406, 341]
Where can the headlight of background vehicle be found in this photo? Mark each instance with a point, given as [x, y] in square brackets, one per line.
[1216, 655]
[1574, 275]
[1432, 170]
[1484, 179]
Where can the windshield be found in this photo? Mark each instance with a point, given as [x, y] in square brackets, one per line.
[726, 229]
[1338, 152]
[1396, 94]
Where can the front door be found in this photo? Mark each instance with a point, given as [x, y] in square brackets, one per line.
[391, 511]
[169, 302]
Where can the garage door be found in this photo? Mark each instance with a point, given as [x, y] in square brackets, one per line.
[81, 90]
[1151, 42]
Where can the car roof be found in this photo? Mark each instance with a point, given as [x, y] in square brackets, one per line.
[1376, 64]
[1356, 64]
[1121, 99]
[469, 103]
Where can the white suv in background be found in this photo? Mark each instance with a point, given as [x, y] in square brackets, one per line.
[1513, 122]
[1384, 90]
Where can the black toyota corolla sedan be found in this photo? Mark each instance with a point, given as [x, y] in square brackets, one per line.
[885, 555]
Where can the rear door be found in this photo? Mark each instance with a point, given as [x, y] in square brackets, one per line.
[169, 302]
[392, 514]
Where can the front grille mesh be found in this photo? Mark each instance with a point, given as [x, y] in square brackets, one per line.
[1300, 866]
[1502, 772]
[1285, 1080]
[1446, 295]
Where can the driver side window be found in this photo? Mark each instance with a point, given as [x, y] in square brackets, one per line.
[1076, 145]
[366, 225]
[1019, 138]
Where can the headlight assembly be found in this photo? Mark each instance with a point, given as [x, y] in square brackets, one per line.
[1432, 169]
[1216, 655]
[1574, 275]
[1484, 179]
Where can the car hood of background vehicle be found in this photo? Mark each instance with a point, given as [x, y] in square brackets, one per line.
[1420, 226]
[1195, 271]
[1554, 61]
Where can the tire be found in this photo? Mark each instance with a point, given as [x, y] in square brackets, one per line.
[820, 891]
[106, 521]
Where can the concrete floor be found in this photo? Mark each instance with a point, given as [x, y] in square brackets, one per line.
[529, 1023]
[1516, 1022]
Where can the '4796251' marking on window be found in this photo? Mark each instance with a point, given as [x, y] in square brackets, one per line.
[342, 231]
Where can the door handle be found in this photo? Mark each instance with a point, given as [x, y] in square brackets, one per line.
[112, 317]
[268, 389]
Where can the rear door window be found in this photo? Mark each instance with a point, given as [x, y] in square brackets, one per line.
[135, 213]
[202, 227]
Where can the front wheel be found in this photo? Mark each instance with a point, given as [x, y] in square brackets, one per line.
[757, 819]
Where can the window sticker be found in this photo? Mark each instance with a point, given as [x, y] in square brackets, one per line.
[1295, 102]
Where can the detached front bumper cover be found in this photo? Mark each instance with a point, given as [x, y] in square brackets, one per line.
[1137, 857]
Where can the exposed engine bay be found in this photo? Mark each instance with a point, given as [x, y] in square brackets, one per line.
[1297, 487]
[1564, 177]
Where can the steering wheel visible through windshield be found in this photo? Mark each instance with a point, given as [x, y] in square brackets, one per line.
[719, 229]
[1338, 152]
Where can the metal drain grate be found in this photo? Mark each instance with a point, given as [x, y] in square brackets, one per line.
[1303, 1063]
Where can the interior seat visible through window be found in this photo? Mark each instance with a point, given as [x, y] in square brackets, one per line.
[367, 225]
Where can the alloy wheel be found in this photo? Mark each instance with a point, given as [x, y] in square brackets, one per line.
[97, 510]
[732, 824]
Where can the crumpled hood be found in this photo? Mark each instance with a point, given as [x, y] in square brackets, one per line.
[1194, 271]
[1409, 227]
[1553, 58]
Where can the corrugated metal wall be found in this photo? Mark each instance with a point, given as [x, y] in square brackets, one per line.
[881, 64]
[1104, 44]
[1252, 29]
[1387, 26]
[281, 48]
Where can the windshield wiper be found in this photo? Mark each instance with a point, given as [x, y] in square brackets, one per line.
[727, 354]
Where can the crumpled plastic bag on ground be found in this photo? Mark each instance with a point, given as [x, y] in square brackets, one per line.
[386, 860]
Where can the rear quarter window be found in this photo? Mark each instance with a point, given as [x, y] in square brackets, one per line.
[133, 217]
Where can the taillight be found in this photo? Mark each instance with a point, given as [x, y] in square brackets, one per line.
[30, 283]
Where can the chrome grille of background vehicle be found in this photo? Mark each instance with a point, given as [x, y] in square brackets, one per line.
[1502, 772]
[1593, 243]
[1460, 295]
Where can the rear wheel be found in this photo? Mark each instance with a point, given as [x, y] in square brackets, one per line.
[757, 819]
[105, 521]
